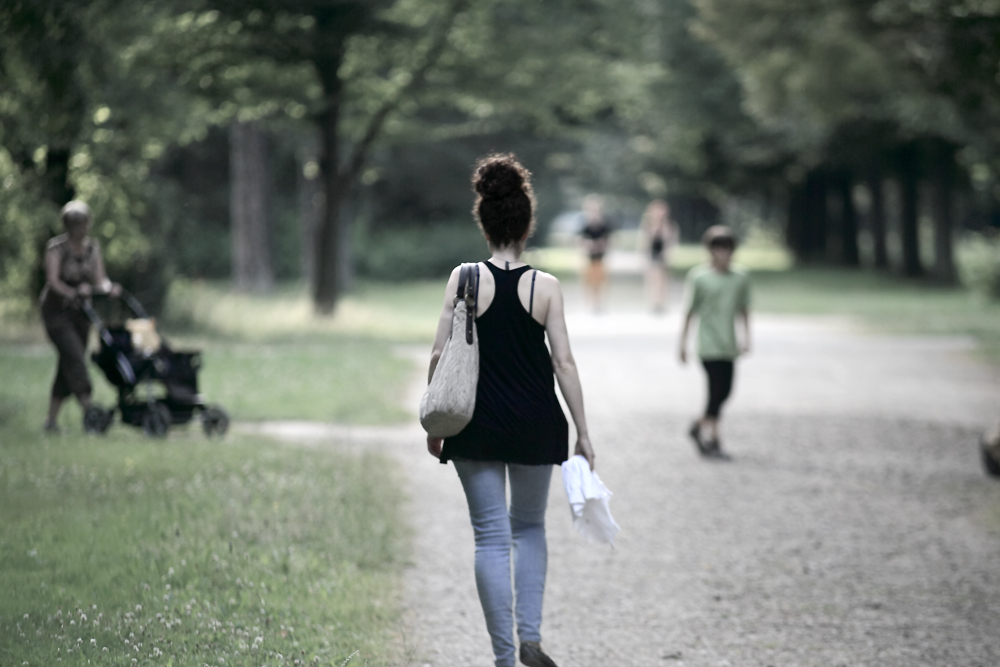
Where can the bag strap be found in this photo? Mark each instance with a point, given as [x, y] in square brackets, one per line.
[531, 300]
[469, 294]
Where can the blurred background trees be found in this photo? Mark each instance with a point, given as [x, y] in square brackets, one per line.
[319, 139]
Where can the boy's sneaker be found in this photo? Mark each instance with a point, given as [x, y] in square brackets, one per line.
[695, 433]
[713, 450]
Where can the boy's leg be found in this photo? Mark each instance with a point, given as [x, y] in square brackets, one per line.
[720, 385]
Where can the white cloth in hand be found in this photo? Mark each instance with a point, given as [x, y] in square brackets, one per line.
[588, 501]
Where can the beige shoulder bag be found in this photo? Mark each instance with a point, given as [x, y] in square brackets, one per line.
[447, 405]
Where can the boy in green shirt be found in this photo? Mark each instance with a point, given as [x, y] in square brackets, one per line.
[718, 295]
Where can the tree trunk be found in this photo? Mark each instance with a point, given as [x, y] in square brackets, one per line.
[309, 187]
[909, 230]
[248, 208]
[944, 252]
[796, 223]
[817, 217]
[849, 255]
[876, 221]
[326, 287]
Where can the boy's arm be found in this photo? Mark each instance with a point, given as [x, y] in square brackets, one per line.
[691, 301]
[744, 315]
[682, 352]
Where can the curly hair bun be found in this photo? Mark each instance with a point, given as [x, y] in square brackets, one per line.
[499, 176]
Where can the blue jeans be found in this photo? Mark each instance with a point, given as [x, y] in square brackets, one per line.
[497, 531]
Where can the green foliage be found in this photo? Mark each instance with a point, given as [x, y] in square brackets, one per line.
[419, 251]
[980, 264]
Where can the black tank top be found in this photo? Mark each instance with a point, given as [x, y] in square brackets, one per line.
[517, 418]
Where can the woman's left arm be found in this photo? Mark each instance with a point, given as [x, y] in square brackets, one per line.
[564, 365]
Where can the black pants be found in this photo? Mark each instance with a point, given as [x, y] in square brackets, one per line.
[68, 330]
[720, 384]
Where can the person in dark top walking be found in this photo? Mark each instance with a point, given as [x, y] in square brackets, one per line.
[74, 269]
[660, 232]
[596, 235]
[518, 430]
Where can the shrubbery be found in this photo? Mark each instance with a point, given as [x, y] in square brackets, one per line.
[979, 263]
[418, 251]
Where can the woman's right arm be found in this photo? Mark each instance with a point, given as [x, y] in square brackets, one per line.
[52, 265]
[565, 369]
[434, 444]
[444, 323]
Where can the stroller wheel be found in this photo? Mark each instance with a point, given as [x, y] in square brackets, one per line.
[215, 421]
[97, 419]
[156, 420]
[990, 461]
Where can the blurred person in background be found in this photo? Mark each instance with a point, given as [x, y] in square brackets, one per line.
[596, 235]
[74, 270]
[660, 233]
[989, 446]
[518, 430]
[717, 295]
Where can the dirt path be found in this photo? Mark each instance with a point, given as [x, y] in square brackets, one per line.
[854, 527]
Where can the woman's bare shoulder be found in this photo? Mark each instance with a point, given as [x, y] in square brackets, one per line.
[547, 280]
[57, 242]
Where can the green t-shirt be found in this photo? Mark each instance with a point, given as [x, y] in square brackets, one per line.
[716, 298]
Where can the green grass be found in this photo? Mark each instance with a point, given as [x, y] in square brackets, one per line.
[190, 552]
[405, 312]
[883, 302]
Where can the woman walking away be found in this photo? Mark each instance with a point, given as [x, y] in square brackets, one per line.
[717, 295]
[660, 232]
[596, 235]
[518, 431]
[74, 270]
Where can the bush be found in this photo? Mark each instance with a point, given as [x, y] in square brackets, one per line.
[979, 263]
[419, 251]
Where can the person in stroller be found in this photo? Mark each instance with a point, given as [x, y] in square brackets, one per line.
[74, 270]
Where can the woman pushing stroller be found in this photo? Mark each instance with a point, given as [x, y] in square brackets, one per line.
[74, 270]
[518, 430]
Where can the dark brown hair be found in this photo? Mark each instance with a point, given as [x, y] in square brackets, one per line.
[505, 202]
[719, 236]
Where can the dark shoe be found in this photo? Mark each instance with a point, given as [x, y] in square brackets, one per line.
[695, 433]
[713, 450]
[50, 428]
[532, 655]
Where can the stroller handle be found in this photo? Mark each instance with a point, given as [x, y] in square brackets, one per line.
[130, 302]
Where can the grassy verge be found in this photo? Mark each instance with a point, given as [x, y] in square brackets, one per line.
[120, 550]
[884, 302]
[124, 551]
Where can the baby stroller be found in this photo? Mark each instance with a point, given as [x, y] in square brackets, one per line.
[157, 386]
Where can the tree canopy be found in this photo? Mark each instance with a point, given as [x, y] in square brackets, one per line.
[698, 100]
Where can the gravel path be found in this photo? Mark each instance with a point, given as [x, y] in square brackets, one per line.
[854, 526]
